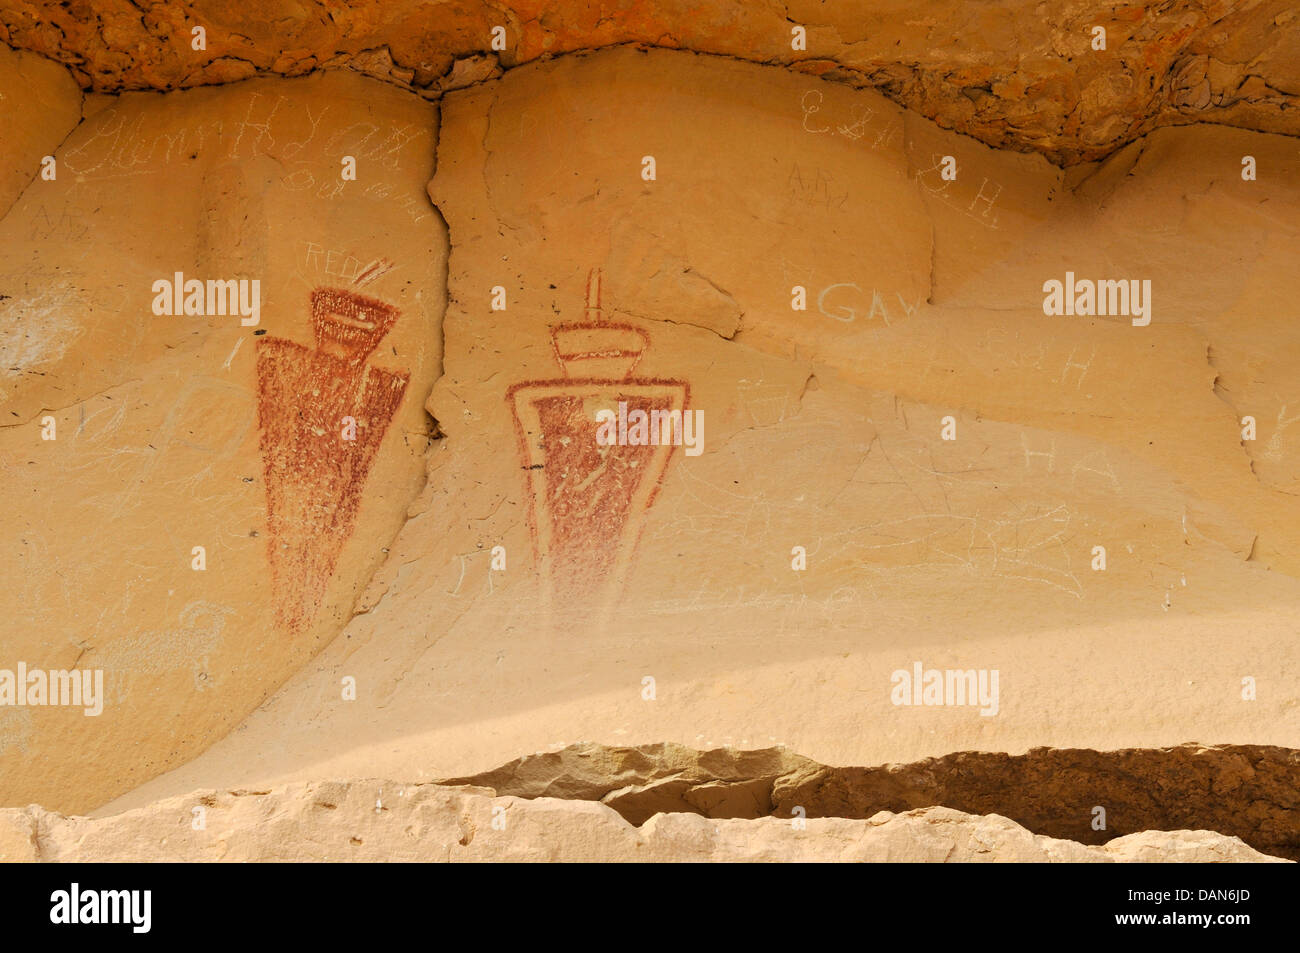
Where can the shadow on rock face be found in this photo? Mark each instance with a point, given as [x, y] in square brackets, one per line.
[1248, 791]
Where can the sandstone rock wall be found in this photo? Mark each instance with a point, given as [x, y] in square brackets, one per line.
[463, 579]
[924, 301]
[172, 432]
[369, 821]
[1025, 74]
[41, 104]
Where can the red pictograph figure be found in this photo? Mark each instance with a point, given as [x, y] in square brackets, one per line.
[588, 503]
[322, 413]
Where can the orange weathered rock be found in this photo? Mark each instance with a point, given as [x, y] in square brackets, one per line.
[40, 104]
[1022, 74]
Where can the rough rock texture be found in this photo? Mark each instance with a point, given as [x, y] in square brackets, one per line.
[369, 821]
[1247, 791]
[173, 432]
[1022, 74]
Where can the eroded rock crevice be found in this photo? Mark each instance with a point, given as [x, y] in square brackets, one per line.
[1247, 791]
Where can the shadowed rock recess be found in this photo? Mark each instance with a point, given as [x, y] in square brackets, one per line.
[1247, 791]
[356, 521]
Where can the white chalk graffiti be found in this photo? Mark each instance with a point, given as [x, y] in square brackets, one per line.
[36, 331]
[981, 207]
[879, 307]
[119, 146]
[861, 124]
[1273, 449]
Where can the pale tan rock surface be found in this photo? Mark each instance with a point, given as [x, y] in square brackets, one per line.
[374, 820]
[823, 430]
[40, 103]
[161, 432]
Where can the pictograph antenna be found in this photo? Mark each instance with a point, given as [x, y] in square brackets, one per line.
[593, 297]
